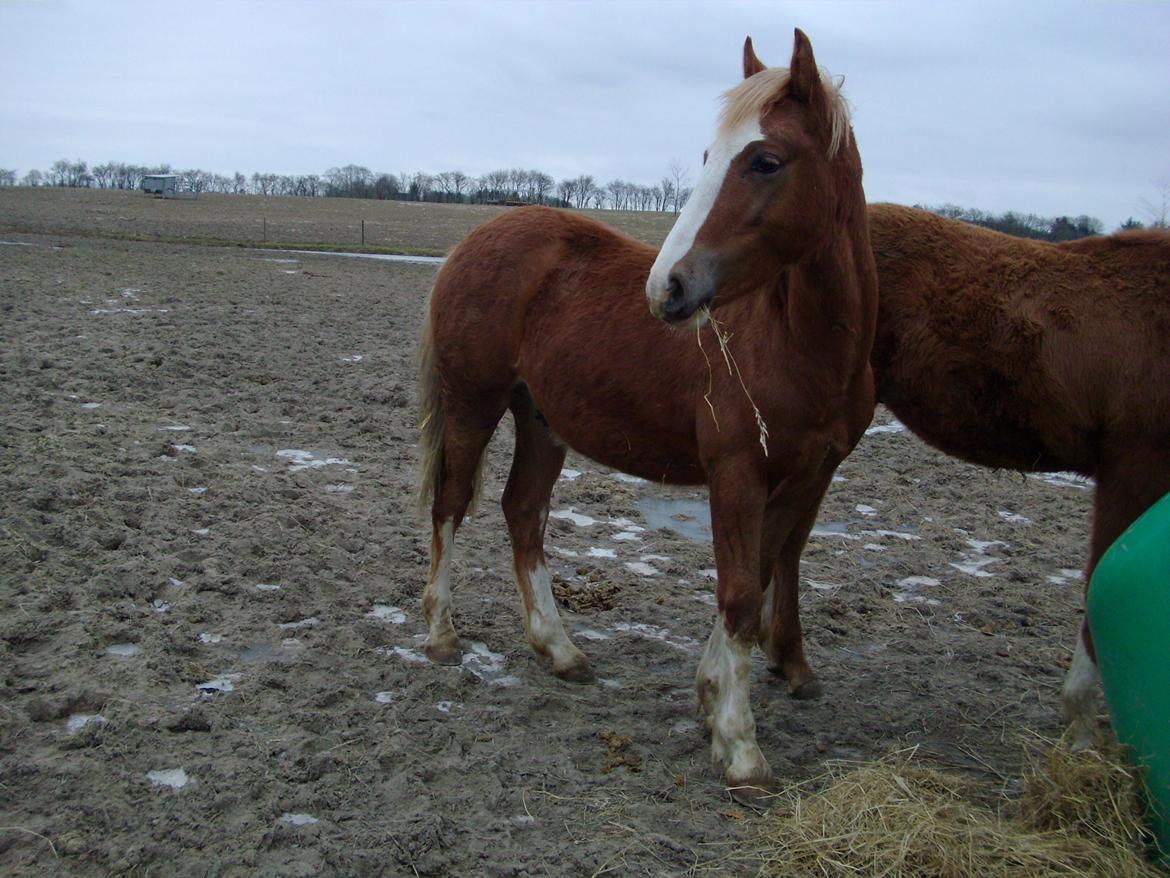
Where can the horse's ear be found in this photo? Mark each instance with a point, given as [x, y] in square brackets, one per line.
[751, 64]
[804, 80]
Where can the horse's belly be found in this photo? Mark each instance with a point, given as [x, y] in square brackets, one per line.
[622, 433]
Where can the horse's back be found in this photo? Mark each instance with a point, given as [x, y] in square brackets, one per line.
[481, 295]
[1021, 354]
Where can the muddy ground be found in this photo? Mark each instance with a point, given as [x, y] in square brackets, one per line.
[209, 607]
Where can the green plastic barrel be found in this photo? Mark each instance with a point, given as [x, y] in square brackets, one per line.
[1129, 616]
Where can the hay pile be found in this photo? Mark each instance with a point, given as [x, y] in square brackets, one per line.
[1078, 815]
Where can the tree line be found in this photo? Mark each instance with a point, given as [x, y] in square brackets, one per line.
[1029, 225]
[516, 185]
[506, 185]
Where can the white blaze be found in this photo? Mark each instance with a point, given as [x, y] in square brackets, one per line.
[694, 213]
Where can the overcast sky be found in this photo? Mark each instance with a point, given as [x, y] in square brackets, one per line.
[1049, 108]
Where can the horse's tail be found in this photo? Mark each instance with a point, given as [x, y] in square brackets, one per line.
[432, 424]
[430, 418]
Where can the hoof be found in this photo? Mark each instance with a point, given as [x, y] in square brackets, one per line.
[752, 795]
[1081, 743]
[577, 674]
[445, 653]
[806, 691]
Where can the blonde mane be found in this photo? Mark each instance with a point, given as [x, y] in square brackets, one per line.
[752, 97]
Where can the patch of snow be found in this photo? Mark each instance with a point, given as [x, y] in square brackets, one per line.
[302, 460]
[224, 683]
[298, 819]
[574, 517]
[387, 613]
[891, 427]
[1064, 480]
[1013, 517]
[78, 721]
[628, 479]
[912, 587]
[642, 568]
[310, 622]
[175, 778]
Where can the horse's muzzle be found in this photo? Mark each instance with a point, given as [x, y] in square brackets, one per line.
[690, 286]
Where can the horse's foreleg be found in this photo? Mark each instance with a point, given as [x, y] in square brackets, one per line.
[737, 506]
[535, 467]
[462, 449]
[781, 635]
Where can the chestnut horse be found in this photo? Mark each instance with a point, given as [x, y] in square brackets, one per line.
[542, 312]
[1032, 356]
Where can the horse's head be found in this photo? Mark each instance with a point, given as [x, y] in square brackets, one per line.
[772, 189]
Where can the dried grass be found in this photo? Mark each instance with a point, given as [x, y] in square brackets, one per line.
[723, 337]
[1079, 815]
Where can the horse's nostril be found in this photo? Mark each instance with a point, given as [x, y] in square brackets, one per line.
[675, 307]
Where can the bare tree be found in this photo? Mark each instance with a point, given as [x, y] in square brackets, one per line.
[565, 190]
[1158, 207]
[421, 185]
[445, 183]
[583, 188]
[617, 191]
[386, 187]
[195, 180]
[7, 177]
[668, 194]
[542, 186]
[678, 176]
[495, 185]
[459, 184]
[104, 175]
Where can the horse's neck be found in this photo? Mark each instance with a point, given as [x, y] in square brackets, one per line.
[830, 300]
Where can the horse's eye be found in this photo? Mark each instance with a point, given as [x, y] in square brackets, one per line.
[766, 163]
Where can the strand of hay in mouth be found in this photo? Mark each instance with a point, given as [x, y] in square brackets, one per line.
[723, 338]
[710, 375]
[1079, 816]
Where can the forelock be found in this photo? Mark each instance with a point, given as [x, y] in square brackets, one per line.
[752, 97]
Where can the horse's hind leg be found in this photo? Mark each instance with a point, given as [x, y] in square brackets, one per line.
[535, 467]
[464, 441]
[1125, 489]
[1079, 694]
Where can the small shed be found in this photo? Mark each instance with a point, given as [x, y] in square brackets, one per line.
[161, 185]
